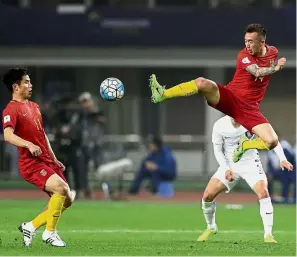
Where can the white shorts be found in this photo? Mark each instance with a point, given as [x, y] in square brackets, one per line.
[251, 171]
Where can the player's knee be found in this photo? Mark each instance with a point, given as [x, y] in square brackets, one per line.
[61, 188]
[208, 196]
[272, 142]
[263, 193]
[68, 202]
[206, 85]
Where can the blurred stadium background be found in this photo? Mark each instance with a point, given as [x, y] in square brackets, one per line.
[71, 46]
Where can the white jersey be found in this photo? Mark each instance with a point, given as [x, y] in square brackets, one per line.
[225, 135]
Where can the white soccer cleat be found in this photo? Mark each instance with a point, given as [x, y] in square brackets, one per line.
[73, 195]
[28, 233]
[52, 237]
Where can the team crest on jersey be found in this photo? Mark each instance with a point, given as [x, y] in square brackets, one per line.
[6, 118]
[43, 173]
[246, 60]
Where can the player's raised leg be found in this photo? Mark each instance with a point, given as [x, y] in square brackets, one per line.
[267, 140]
[212, 190]
[205, 87]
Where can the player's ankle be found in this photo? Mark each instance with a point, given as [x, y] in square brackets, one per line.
[212, 227]
[31, 226]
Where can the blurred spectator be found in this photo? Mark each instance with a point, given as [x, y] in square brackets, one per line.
[12, 152]
[1, 128]
[159, 165]
[284, 176]
[59, 119]
[92, 123]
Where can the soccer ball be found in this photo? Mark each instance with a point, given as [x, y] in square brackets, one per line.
[112, 89]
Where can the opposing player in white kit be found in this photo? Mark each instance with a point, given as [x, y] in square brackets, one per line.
[225, 137]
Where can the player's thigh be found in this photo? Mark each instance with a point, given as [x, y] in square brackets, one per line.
[209, 89]
[227, 102]
[213, 189]
[266, 132]
[253, 173]
[56, 185]
[220, 183]
[261, 190]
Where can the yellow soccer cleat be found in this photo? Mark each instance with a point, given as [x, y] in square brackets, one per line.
[239, 151]
[207, 233]
[270, 239]
[157, 90]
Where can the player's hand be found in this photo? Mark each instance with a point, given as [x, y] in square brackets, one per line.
[229, 175]
[34, 149]
[286, 165]
[281, 63]
[151, 166]
[60, 164]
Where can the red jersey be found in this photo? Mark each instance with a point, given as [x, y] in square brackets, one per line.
[26, 120]
[245, 85]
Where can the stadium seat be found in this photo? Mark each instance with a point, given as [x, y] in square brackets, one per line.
[166, 189]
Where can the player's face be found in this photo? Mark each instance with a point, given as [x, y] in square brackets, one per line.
[253, 43]
[24, 88]
[152, 148]
[87, 104]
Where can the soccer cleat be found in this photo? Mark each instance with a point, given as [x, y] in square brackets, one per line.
[52, 237]
[207, 233]
[28, 233]
[239, 151]
[269, 239]
[157, 89]
[73, 195]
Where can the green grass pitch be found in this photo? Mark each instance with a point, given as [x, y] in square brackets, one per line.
[142, 229]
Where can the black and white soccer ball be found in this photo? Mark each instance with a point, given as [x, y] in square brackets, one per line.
[112, 89]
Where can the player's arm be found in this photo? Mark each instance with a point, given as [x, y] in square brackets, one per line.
[279, 151]
[257, 71]
[217, 140]
[49, 147]
[13, 139]
[220, 156]
[52, 154]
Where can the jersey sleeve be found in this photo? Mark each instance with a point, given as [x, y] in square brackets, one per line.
[244, 60]
[9, 118]
[217, 140]
[217, 137]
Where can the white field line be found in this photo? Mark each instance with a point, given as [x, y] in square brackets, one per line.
[159, 231]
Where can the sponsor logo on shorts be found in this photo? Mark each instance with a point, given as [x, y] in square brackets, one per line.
[43, 173]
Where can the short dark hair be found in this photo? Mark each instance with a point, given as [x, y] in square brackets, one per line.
[156, 140]
[256, 28]
[13, 76]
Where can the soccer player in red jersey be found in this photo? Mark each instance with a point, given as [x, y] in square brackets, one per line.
[241, 98]
[23, 127]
